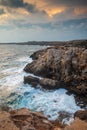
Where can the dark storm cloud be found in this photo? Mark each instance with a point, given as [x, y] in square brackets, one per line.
[19, 4]
[12, 3]
[30, 7]
[68, 2]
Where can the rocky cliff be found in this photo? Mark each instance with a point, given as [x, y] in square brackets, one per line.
[60, 67]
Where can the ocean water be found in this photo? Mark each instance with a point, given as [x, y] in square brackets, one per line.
[16, 94]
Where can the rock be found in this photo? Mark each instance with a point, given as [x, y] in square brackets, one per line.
[4, 107]
[24, 119]
[37, 54]
[50, 83]
[77, 125]
[81, 101]
[6, 123]
[46, 83]
[27, 119]
[67, 65]
[58, 125]
[81, 114]
[63, 115]
[80, 89]
[31, 80]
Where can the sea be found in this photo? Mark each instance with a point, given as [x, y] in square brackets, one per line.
[16, 94]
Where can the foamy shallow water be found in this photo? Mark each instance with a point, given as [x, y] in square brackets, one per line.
[18, 95]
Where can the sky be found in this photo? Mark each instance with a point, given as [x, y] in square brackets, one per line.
[42, 20]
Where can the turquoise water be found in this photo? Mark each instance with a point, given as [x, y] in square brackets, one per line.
[16, 94]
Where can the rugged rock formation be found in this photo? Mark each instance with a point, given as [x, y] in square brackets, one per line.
[6, 123]
[46, 83]
[24, 119]
[67, 65]
[62, 67]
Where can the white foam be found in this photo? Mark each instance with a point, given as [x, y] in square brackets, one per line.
[49, 102]
[15, 75]
[24, 59]
[46, 101]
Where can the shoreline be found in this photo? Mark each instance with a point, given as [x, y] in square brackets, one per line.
[43, 65]
[74, 43]
[25, 119]
[55, 125]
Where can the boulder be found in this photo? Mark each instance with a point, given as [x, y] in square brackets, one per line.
[46, 83]
[31, 80]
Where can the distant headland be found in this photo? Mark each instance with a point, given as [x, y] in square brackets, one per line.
[52, 43]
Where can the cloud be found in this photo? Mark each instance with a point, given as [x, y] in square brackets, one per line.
[53, 31]
[12, 3]
[19, 4]
[73, 24]
[44, 14]
[54, 7]
[2, 11]
[49, 7]
[68, 2]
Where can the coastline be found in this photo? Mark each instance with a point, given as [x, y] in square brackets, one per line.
[74, 43]
[35, 57]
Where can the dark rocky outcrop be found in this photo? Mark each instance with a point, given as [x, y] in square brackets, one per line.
[46, 83]
[31, 80]
[81, 114]
[67, 65]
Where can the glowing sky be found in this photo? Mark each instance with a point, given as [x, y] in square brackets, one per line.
[42, 20]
